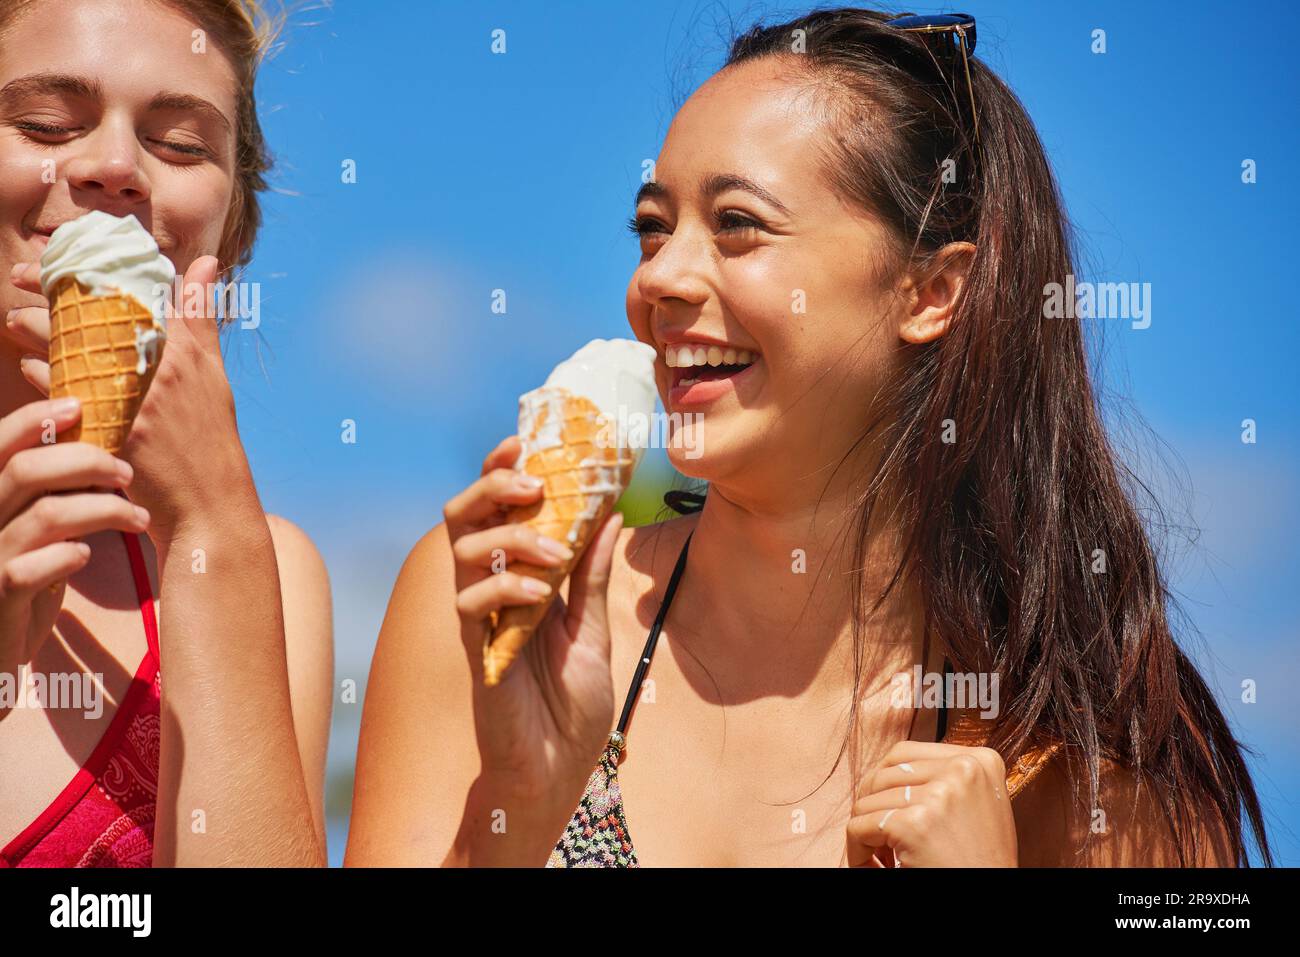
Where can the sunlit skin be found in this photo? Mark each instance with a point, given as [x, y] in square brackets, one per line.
[106, 106]
[729, 746]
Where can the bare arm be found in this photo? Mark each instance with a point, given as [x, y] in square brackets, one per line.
[231, 787]
[417, 758]
[309, 644]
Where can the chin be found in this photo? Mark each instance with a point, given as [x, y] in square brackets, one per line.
[704, 452]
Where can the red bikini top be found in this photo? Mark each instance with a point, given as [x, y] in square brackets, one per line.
[105, 816]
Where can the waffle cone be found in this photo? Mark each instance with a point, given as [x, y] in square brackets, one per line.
[93, 355]
[566, 445]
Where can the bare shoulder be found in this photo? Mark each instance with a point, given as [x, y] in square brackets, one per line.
[309, 650]
[1128, 826]
[304, 590]
[651, 550]
[296, 553]
[408, 795]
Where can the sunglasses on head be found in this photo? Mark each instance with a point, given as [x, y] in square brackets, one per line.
[949, 37]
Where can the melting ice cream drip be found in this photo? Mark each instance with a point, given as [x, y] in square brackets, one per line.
[617, 377]
[147, 343]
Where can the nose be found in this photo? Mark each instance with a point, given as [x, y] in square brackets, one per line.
[678, 272]
[108, 165]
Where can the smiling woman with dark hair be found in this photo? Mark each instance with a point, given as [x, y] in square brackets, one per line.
[145, 108]
[844, 253]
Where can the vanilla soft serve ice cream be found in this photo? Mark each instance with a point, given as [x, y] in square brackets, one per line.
[582, 434]
[616, 375]
[111, 256]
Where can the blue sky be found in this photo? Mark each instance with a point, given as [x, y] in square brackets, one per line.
[478, 171]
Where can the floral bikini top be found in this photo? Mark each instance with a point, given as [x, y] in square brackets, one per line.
[597, 834]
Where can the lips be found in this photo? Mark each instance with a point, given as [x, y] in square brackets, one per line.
[697, 386]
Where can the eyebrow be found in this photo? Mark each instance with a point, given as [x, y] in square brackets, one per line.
[714, 185]
[90, 89]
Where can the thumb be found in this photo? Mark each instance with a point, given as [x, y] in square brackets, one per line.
[588, 605]
[196, 309]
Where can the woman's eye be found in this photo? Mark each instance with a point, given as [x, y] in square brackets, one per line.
[185, 149]
[730, 221]
[644, 226]
[42, 132]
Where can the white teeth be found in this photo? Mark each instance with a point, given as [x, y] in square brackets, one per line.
[684, 357]
[688, 382]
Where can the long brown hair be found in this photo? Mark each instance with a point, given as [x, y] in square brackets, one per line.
[1004, 525]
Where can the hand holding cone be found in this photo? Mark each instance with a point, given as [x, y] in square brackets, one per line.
[575, 439]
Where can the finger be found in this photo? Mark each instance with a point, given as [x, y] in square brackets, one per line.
[976, 760]
[505, 455]
[498, 591]
[28, 425]
[36, 371]
[196, 313]
[27, 574]
[68, 466]
[27, 277]
[54, 518]
[589, 583]
[902, 796]
[489, 498]
[29, 326]
[885, 776]
[493, 547]
[868, 834]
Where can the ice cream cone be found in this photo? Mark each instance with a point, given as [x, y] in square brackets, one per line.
[104, 350]
[569, 444]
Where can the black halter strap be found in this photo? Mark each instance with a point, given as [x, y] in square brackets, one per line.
[648, 652]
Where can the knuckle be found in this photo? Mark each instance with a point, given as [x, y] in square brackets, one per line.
[21, 468]
[920, 818]
[993, 760]
[45, 510]
[967, 767]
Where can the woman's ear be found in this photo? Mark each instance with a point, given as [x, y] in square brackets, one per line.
[933, 300]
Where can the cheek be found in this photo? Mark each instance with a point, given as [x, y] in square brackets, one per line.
[192, 206]
[24, 185]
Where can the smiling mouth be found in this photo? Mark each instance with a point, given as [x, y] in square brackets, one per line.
[691, 364]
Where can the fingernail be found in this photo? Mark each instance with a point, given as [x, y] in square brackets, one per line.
[527, 482]
[535, 587]
[124, 469]
[66, 405]
[554, 547]
[142, 515]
